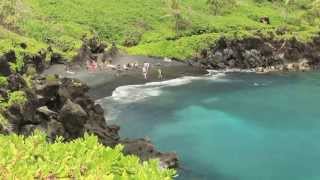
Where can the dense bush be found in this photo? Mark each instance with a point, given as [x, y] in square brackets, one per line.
[3, 81]
[3, 120]
[17, 97]
[11, 11]
[312, 15]
[34, 158]
[218, 7]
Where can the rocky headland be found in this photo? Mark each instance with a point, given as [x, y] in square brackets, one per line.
[262, 55]
[61, 107]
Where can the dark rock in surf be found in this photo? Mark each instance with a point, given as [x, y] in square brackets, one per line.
[146, 150]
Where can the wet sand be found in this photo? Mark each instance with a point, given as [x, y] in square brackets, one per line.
[103, 82]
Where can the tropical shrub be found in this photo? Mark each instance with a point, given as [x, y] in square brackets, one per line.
[218, 7]
[11, 11]
[3, 120]
[3, 81]
[34, 158]
[313, 13]
[175, 11]
[17, 97]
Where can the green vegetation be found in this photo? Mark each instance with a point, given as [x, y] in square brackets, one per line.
[17, 97]
[34, 158]
[3, 120]
[172, 28]
[162, 28]
[218, 7]
[3, 81]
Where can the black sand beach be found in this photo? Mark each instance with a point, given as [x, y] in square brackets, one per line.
[103, 82]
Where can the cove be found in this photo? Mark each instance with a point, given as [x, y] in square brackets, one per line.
[238, 126]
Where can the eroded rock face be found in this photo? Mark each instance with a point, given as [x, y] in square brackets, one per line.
[36, 60]
[56, 58]
[55, 129]
[73, 118]
[3, 93]
[71, 89]
[16, 82]
[264, 53]
[89, 50]
[146, 150]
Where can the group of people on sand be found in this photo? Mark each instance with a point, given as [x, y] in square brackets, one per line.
[94, 66]
[91, 65]
[145, 71]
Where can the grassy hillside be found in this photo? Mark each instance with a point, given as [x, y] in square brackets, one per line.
[149, 24]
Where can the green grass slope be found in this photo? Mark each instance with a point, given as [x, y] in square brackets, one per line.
[149, 24]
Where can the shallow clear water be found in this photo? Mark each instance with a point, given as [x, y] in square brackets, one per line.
[234, 127]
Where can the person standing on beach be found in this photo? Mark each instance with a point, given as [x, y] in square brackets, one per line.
[118, 70]
[145, 70]
[160, 75]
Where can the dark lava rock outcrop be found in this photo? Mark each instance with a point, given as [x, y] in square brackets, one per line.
[250, 53]
[61, 107]
[95, 50]
[4, 64]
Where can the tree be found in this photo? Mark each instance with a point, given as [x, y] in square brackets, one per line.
[218, 6]
[11, 11]
[316, 8]
[313, 14]
[180, 22]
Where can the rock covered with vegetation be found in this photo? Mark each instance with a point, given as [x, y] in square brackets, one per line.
[60, 107]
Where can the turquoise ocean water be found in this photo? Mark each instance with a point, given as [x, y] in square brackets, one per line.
[236, 126]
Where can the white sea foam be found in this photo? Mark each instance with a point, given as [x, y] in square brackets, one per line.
[231, 71]
[125, 95]
[134, 93]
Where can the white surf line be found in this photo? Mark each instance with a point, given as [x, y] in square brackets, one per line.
[134, 93]
[131, 93]
[234, 70]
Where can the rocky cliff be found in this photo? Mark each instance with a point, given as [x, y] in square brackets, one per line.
[262, 54]
[61, 107]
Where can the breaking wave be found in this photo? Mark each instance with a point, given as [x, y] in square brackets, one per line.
[134, 93]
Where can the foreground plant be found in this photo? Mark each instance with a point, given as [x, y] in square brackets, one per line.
[34, 158]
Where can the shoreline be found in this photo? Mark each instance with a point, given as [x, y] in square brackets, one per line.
[103, 83]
